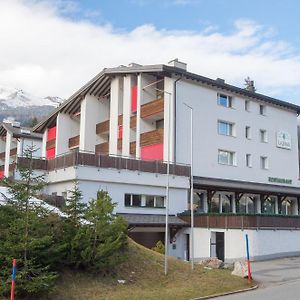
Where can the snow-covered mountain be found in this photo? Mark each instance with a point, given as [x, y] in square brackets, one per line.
[12, 97]
[23, 106]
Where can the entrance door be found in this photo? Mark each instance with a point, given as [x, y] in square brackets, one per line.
[187, 251]
[220, 245]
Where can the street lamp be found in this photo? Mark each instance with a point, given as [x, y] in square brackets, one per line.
[192, 189]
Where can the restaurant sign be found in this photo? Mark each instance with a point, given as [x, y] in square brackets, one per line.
[283, 140]
[280, 180]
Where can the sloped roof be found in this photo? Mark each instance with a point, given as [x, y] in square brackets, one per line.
[99, 86]
[19, 131]
[152, 220]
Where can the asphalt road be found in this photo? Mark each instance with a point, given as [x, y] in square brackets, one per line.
[278, 280]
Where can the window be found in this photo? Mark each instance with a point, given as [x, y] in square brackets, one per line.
[159, 201]
[224, 100]
[248, 160]
[264, 162]
[149, 201]
[225, 128]
[262, 110]
[247, 105]
[136, 200]
[128, 200]
[248, 132]
[263, 136]
[133, 200]
[226, 157]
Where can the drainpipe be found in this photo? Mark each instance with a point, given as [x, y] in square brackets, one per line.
[175, 114]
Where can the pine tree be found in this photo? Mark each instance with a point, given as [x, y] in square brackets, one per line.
[102, 241]
[26, 235]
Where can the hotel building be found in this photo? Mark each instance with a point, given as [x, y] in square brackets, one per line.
[118, 132]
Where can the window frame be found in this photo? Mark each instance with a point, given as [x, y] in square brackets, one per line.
[231, 160]
[143, 201]
[247, 105]
[263, 135]
[264, 162]
[230, 128]
[248, 135]
[228, 100]
[262, 109]
[248, 160]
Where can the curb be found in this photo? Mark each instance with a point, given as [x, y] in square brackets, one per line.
[226, 293]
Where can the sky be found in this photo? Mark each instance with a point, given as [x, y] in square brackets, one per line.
[53, 47]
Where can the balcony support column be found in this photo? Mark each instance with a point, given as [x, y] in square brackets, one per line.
[7, 153]
[258, 204]
[92, 110]
[233, 204]
[295, 207]
[65, 129]
[126, 115]
[276, 205]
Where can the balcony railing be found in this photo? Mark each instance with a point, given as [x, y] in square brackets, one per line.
[103, 127]
[13, 152]
[50, 144]
[36, 163]
[102, 148]
[152, 108]
[152, 137]
[2, 155]
[72, 159]
[236, 221]
[74, 142]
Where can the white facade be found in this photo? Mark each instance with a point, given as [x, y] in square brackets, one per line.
[207, 141]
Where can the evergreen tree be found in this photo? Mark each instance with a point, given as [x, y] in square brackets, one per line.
[26, 235]
[102, 241]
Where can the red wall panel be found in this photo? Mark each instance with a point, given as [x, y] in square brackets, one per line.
[50, 153]
[120, 132]
[153, 152]
[134, 98]
[51, 133]
[1, 174]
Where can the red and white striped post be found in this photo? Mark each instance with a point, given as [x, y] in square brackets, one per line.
[248, 259]
[13, 278]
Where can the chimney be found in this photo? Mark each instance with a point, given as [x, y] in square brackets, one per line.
[220, 80]
[177, 64]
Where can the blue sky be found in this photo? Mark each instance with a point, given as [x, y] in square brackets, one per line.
[64, 43]
[282, 16]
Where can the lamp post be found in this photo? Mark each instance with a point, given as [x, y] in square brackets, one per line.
[192, 188]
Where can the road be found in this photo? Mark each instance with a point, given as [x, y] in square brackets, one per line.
[278, 280]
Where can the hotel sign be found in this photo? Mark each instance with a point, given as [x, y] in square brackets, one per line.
[283, 140]
[280, 180]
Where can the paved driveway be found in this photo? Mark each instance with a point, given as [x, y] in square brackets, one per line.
[278, 279]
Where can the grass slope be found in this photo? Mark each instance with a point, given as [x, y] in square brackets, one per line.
[145, 279]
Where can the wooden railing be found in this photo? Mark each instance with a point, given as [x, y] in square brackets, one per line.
[13, 152]
[74, 142]
[105, 161]
[37, 163]
[102, 148]
[50, 144]
[103, 127]
[152, 108]
[261, 221]
[152, 137]
[2, 155]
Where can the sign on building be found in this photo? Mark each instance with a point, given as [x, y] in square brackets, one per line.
[283, 140]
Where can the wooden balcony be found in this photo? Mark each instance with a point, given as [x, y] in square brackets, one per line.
[102, 127]
[74, 142]
[102, 148]
[13, 152]
[152, 108]
[152, 137]
[12, 167]
[231, 221]
[50, 144]
[2, 155]
[132, 148]
[36, 163]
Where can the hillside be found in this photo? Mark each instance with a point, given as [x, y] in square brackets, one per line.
[145, 279]
[23, 106]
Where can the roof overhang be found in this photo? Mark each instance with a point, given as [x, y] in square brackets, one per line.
[99, 86]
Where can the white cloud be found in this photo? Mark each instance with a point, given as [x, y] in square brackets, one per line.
[45, 53]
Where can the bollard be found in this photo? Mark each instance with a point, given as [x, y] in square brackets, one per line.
[248, 259]
[13, 278]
